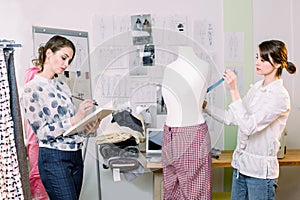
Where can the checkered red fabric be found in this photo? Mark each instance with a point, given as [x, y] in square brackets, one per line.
[186, 159]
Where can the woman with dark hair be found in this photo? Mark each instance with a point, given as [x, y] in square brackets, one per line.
[50, 111]
[261, 117]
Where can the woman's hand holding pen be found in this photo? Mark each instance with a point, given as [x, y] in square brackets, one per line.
[81, 99]
[83, 109]
[231, 80]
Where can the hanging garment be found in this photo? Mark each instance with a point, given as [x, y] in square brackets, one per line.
[18, 121]
[10, 178]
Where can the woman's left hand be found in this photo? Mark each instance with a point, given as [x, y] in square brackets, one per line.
[92, 127]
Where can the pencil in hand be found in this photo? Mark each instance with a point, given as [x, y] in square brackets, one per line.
[81, 99]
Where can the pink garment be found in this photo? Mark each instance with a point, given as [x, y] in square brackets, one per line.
[36, 186]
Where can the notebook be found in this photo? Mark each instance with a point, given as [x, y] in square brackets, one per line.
[154, 138]
[100, 113]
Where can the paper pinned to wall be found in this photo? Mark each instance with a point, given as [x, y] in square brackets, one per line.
[234, 47]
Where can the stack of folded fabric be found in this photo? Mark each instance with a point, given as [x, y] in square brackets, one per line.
[119, 144]
[123, 126]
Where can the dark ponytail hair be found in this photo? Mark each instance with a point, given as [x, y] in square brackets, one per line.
[275, 52]
[54, 44]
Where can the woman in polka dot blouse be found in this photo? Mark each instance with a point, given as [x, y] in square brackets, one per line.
[50, 111]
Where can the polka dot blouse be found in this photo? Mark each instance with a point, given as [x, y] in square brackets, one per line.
[48, 107]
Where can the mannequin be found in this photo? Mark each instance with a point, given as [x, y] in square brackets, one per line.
[186, 147]
[184, 87]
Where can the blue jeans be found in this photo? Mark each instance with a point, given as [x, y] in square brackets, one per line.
[61, 173]
[249, 188]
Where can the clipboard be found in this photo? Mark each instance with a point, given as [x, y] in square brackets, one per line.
[99, 113]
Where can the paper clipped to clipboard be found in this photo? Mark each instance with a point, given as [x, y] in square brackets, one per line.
[99, 113]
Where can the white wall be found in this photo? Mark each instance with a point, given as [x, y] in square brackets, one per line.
[19, 17]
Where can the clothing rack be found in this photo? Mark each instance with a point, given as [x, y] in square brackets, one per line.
[18, 187]
[9, 44]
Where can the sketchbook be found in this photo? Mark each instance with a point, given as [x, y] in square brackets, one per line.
[99, 113]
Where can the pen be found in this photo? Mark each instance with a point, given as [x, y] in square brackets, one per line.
[81, 99]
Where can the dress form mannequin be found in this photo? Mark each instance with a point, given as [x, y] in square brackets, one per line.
[185, 83]
[186, 147]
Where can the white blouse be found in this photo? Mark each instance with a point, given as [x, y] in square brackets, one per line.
[261, 117]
